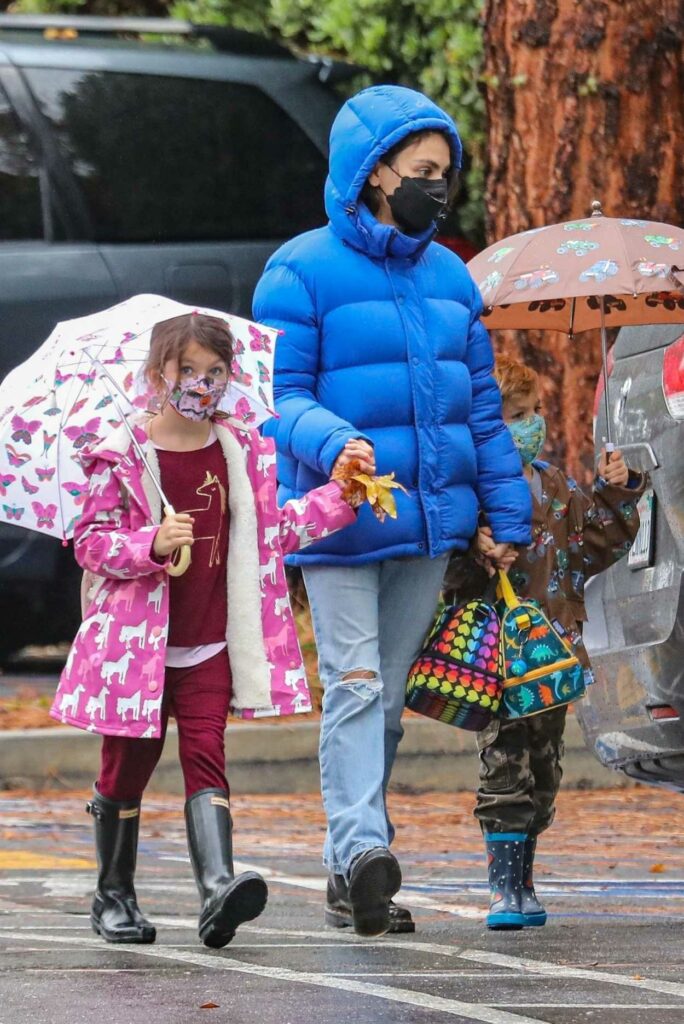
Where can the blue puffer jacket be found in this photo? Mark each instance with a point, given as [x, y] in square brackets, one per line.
[382, 340]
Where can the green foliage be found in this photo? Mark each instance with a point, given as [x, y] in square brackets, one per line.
[433, 45]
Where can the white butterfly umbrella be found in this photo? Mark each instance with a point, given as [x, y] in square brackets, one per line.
[72, 391]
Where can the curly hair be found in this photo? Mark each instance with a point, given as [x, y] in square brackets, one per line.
[514, 378]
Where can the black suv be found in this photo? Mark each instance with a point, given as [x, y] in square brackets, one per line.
[139, 155]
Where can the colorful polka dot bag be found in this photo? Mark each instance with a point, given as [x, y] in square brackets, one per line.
[458, 676]
[541, 672]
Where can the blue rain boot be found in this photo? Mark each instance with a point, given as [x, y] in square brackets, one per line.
[505, 864]
[533, 912]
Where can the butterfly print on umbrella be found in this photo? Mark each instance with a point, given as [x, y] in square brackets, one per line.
[264, 375]
[17, 459]
[5, 481]
[45, 515]
[243, 411]
[28, 486]
[239, 376]
[85, 434]
[23, 430]
[45, 473]
[78, 491]
[36, 400]
[48, 441]
[259, 342]
[12, 512]
[76, 407]
[115, 360]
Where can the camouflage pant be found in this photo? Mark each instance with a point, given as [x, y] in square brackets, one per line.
[520, 772]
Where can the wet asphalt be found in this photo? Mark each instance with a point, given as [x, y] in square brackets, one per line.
[613, 950]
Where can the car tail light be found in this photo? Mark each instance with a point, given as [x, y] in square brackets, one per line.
[598, 394]
[461, 246]
[673, 378]
[663, 712]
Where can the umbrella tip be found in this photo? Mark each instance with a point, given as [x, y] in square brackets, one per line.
[596, 210]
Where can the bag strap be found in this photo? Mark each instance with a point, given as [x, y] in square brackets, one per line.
[514, 604]
[506, 592]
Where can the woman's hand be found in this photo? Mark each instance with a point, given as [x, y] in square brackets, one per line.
[359, 450]
[174, 532]
[613, 468]
[494, 556]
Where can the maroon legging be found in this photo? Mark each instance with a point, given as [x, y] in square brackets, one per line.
[198, 698]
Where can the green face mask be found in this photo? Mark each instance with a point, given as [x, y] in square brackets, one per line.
[529, 436]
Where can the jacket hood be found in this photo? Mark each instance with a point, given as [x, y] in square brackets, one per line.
[368, 125]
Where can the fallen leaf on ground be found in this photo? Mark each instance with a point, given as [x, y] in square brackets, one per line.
[209, 1006]
[657, 869]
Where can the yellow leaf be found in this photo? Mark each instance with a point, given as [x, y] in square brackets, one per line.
[386, 501]
[657, 869]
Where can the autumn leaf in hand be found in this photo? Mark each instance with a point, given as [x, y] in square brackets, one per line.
[353, 492]
[379, 494]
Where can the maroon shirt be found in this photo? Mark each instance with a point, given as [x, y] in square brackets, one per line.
[197, 483]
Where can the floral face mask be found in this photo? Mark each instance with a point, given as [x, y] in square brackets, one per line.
[529, 436]
[197, 398]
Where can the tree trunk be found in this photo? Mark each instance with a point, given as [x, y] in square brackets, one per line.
[585, 100]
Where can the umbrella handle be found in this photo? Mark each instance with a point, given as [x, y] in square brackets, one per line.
[181, 557]
[180, 561]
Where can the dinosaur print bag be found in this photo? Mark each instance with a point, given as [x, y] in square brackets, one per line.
[540, 670]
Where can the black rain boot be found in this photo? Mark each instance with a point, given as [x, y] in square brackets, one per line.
[227, 901]
[505, 862]
[338, 911]
[532, 909]
[115, 914]
[374, 878]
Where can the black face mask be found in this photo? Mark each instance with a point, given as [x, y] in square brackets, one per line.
[418, 202]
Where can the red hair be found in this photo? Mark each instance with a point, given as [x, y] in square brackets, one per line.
[515, 380]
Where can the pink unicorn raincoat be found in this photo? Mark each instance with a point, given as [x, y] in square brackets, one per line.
[113, 681]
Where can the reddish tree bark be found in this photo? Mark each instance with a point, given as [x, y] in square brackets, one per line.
[585, 100]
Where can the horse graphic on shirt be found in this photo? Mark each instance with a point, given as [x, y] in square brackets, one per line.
[209, 517]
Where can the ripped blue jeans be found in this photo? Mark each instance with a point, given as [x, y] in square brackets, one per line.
[369, 620]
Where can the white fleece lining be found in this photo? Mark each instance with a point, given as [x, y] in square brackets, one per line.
[245, 636]
[245, 633]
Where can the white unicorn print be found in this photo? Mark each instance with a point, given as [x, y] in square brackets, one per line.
[117, 668]
[71, 700]
[129, 633]
[155, 596]
[98, 703]
[126, 704]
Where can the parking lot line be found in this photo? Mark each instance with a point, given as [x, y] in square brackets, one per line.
[453, 1007]
[524, 964]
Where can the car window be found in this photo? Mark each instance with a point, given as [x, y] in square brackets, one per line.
[177, 159]
[20, 206]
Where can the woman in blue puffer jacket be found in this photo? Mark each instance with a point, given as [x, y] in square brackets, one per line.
[383, 358]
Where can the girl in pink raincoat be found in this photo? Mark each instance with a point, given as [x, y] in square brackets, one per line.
[222, 635]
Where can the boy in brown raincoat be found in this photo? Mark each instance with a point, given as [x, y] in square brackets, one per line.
[573, 537]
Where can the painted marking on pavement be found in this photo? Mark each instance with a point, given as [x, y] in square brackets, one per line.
[500, 960]
[524, 964]
[320, 884]
[453, 1007]
[25, 860]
